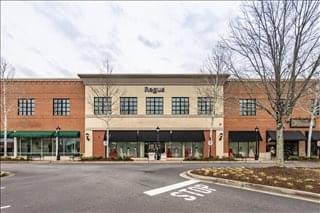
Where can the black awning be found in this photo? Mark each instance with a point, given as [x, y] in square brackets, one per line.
[315, 136]
[187, 136]
[123, 136]
[151, 136]
[244, 136]
[287, 136]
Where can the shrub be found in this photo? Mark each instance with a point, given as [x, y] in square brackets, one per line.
[91, 158]
[191, 158]
[13, 159]
[126, 158]
[293, 158]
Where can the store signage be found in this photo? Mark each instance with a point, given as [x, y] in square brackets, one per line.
[154, 90]
[301, 123]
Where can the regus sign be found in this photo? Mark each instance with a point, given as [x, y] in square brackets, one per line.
[153, 90]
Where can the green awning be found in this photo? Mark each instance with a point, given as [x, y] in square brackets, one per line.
[34, 134]
[42, 134]
[68, 134]
[9, 134]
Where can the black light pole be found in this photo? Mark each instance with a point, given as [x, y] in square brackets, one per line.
[158, 143]
[57, 143]
[256, 156]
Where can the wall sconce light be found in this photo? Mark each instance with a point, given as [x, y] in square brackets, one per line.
[220, 136]
[87, 136]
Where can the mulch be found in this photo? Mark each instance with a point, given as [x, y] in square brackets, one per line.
[304, 179]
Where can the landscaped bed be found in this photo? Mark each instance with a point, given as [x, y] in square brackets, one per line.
[304, 179]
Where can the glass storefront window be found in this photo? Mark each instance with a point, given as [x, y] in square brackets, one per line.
[70, 146]
[9, 146]
[124, 149]
[243, 149]
[25, 146]
[49, 147]
[197, 149]
[36, 146]
[234, 147]
[174, 150]
[188, 149]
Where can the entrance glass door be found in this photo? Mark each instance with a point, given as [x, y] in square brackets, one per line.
[154, 147]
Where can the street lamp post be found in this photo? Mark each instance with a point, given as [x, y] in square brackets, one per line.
[158, 143]
[57, 143]
[256, 155]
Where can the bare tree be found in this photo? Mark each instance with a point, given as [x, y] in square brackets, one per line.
[277, 42]
[105, 99]
[6, 74]
[315, 91]
[215, 72]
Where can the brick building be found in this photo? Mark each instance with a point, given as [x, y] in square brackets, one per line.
[242, 116]
[162, 114]
[37, 108]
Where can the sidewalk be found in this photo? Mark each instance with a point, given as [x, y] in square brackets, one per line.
[271, 163]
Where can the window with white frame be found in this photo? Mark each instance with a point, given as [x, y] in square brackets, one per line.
[248, 107]
[26, 106]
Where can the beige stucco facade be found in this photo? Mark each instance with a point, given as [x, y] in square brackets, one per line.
[141, 121]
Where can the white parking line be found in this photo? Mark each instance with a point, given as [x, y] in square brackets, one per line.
[5, 207]
[170, 187]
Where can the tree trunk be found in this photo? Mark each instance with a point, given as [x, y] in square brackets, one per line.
[5, 121]
[280, 145]
[310, 136]
[210, 135]
[210, 138]
[5, 136]
[107, 144]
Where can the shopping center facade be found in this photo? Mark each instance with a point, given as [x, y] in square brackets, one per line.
[168, 116]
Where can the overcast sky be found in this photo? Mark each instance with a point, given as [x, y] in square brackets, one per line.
[61, 39]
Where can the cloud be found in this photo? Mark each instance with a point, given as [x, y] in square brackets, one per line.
[148, 43]
[26, 71]
[61, 39]
[60, 68]
[59, 20]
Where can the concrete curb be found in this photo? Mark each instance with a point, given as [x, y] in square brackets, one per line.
[310, 196]
[134, 162]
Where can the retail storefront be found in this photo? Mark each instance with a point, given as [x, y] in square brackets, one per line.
[163, 144]
[146, 103]
[244, 143]
[294, 143]
[41, 143]
[315, 143]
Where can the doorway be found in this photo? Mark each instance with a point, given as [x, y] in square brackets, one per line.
[154, 147]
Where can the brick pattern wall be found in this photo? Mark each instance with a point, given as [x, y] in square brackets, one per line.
[233, 121]
[206, 147]
[43, 92]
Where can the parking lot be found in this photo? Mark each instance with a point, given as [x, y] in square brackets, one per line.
[129, 188]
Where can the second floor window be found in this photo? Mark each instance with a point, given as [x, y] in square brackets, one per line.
[128, 105]
[26, 106]
[61, 106]
[154, 105]
[102, 105]
[248, 107]
[180, 105]
[205, 106]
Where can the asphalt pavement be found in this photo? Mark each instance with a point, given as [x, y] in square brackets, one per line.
[129, 188]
